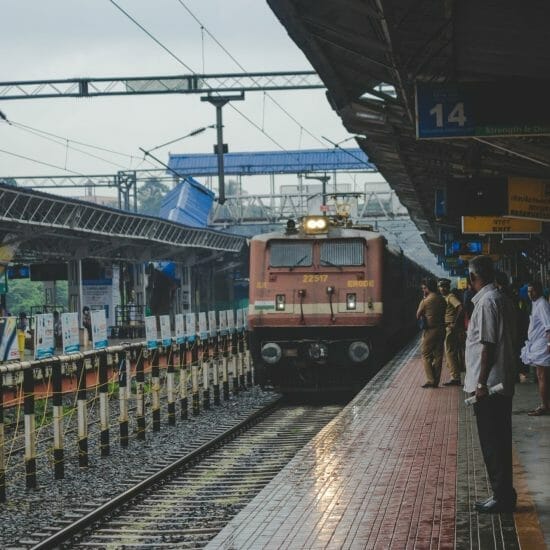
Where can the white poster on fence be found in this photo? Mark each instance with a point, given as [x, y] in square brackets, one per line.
[240, 323]
[9, 349]
[44, 345]
[70, 332]
[245, 318]
[99, 329]
[230, 321]
[151, 332]
[203, 326]
[212, 324]
[223, 322]
[190, 327]
[165, 330]
[180, 328]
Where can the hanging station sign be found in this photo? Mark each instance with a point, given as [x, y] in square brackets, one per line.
[529, 198]
[484, 225]
[505, 108]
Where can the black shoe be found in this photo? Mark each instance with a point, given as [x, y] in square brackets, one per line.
[428, 385]
[481, 503]
[453, 382]
[495, 507]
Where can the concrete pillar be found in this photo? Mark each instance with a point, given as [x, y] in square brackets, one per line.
[123, 361]
[103, 404]
[155, 389]
[225, 368]
[195, 384]
[183, 382]
[82, 414]
[57, 403]
[30, 429]
[140, 398]
[170, 385]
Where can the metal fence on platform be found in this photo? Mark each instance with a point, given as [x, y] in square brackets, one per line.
[50, 409]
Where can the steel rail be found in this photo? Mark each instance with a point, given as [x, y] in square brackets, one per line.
[84, 522]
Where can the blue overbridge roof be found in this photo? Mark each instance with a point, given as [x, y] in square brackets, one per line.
[273, 162]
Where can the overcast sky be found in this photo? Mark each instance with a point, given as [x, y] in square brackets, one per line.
[92, 38]
[75, 38]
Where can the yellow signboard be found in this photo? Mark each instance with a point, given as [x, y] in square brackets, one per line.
[468, 257]
[462, 283]
[529, 198]
[496, 224]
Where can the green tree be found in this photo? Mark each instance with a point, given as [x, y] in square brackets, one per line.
[23, 294]
[9, 181]
[150, 196]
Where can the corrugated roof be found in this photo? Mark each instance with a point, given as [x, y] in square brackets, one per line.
[272, 162]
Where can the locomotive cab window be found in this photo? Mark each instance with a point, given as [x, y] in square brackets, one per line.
[290, 254]
[343, 253]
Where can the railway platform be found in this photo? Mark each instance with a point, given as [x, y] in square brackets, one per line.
[401, 467]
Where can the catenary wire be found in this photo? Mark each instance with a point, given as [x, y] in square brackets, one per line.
[204, 29]
[64, 138]
[40, 162]
[174, 56]
[72, 148]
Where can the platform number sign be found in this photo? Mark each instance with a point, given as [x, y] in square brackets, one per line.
[456, 116]
[468, 109]
[441, 112]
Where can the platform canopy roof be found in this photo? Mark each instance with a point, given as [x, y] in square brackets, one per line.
[370, 53]
[39, 226]
[273, 162]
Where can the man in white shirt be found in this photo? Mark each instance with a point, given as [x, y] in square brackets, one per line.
[490, 361]
[536, 351]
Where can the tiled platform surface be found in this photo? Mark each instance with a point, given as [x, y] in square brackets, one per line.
[400, 467]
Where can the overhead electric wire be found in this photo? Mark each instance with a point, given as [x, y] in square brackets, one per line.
[165, 48]
[347, 151]
[64, 138]
[40, 162]
[173, 55]
[66, 144]
[237, 62]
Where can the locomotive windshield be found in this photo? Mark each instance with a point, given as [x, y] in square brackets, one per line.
[291, 254]
[342, 253]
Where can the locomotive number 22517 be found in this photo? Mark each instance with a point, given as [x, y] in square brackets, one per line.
[315, 278]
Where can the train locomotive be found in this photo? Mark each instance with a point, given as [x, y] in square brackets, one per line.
[328, 301]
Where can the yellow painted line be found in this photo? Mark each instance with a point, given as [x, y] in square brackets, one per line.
[528, 529]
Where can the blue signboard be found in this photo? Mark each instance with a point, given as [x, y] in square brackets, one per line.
[464, 109]
[441, 112]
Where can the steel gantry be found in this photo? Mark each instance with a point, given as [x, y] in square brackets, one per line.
[172, 84]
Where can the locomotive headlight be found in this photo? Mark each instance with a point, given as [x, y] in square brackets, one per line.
[358, 352]
[271, 353]
[315, 224]
[280, 302]
[351, 301]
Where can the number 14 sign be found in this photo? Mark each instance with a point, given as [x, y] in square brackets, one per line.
[442, 112]
[467, 109]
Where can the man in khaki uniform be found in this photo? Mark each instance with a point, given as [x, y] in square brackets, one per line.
[432, 310]
[453, 332]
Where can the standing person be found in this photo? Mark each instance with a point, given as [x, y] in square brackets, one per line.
[536, 351]
[57, 330]
[432, 310]
[87, 322]
[467, 304]
[490, 361]
[454, 330]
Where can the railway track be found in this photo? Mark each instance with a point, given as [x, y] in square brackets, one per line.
[186, 502]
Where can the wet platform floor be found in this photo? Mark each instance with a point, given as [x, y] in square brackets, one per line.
[401, 467]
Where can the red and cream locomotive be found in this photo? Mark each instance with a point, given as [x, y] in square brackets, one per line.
[327, 300]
